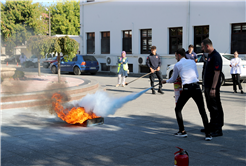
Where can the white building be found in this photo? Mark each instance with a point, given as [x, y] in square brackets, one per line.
[110, 26]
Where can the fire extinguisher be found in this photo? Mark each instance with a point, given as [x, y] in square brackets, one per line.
[181, 158]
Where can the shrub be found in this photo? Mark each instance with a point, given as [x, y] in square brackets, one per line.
[18, 74]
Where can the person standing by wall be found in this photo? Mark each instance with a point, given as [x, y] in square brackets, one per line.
[154, 63]
[122, 69]
[187, 70]
[212, 82]
[190, 54]
[235, 72]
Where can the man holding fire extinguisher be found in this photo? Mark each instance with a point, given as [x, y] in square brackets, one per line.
[187, 70]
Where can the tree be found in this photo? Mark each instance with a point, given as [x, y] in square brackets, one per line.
[40, 46]
[20, 20]
[65, 18]
[69, 48]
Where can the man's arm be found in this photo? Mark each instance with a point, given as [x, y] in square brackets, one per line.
[215, 81]
[174, 76]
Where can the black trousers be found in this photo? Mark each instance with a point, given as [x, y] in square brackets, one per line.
[152, 78]
[215, 109]
[191, 91]
[236, 80]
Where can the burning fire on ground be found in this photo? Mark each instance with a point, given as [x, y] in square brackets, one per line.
[75, 115]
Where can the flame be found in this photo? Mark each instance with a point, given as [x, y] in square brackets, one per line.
[70, 115]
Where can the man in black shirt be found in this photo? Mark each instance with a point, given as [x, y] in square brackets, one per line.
[154, 63]
[212, 81]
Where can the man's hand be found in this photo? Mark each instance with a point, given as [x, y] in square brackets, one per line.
[196, 60]
[235, 64]
[212, 93]
[158, 69]
[152, 70]
[163, 81]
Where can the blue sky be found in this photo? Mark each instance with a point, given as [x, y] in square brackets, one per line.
[43, 2]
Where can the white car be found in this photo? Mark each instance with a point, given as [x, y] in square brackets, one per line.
[3, 57]
[226, 76]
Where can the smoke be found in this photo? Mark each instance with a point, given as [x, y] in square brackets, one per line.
[102, 104]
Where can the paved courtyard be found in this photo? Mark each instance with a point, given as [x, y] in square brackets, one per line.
[140, 133]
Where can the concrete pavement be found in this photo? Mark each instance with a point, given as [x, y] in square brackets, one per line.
[140, 133]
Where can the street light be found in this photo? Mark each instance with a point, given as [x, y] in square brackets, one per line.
[49, 21]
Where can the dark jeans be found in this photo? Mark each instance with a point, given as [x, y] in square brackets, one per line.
[191, 91]
[236, 80]
[152, 78]
[215, 109]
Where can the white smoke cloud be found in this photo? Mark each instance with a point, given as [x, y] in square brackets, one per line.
[102, 104]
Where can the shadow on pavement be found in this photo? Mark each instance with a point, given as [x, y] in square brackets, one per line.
[28, 139]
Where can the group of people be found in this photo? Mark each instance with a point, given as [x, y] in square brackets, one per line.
[186, 69]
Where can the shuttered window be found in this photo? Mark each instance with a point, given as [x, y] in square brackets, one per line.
[175, 39]
[238, 38]
[127, 41]
[105, 43]
[200, 33]
[90, 43]
[146, 41]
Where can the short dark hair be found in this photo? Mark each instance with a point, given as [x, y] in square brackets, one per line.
[207, 41]
[191, 46]
[180, 51]
[153, 47]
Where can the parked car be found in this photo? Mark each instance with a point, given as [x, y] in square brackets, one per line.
[226, 76]
[3, 57]
[79, 64]
[34, 60]
[47, 63]
[12, 59]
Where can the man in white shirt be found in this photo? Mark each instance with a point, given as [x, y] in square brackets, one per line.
[187, 70]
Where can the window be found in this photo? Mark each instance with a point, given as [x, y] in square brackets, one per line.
[127, 41]
[200, 33]
[105, 43]
[238, 38]
[146, 41]
[175, 39]
[90, 43]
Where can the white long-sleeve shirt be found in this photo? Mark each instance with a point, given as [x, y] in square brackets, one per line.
[187, 70]
[236, 66]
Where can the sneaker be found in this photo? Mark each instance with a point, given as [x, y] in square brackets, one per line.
[242, 92]
[117, 85]
[235, 91]
[181, 134]
[123, 85]
[208, 137]
[160, 91]
[153, 91]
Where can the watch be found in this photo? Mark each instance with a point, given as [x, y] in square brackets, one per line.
[213, 88]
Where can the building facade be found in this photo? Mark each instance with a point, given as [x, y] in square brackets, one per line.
[110, 26]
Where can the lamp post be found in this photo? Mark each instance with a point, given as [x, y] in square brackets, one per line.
[49, 21]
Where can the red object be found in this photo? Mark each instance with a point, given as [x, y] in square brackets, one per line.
[181, 158]
[7, 63]
[83, 63]
[17, 63]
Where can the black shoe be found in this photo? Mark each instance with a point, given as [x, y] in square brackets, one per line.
[181, 134]
[217, 133]
[153, 91]
[242, 92]
[208, 137]
[235, 91]
[203, 130]
[160, 91]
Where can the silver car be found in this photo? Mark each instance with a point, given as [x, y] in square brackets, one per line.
[226, 76]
